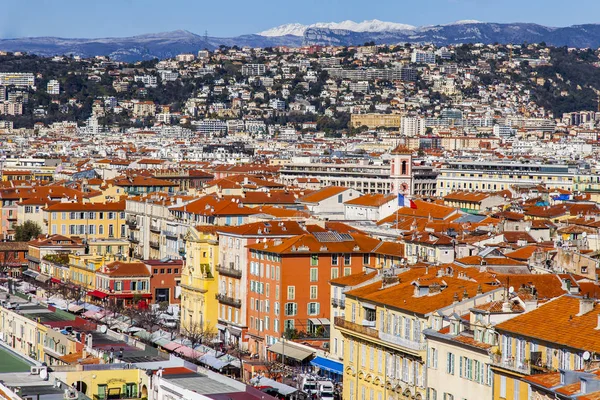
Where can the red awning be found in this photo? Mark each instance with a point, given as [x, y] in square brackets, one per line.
[98, 294]
[131, 295]
[56, 280]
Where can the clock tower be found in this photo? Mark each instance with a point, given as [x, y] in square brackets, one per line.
[401, 171]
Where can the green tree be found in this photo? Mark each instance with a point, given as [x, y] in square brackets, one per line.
[27, 231]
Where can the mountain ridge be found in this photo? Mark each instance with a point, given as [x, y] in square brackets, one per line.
[168, 44]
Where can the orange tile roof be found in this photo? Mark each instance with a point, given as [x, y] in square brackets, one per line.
[402, 295]
[371, 200]
[113, 206]
[558, 322]
[322, 194]
[424, 210]
[353, 279]
[119, 269]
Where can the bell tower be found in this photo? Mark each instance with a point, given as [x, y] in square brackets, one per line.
[401, 171]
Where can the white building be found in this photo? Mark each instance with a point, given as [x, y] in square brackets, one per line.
[412, 126]
[370, 207]
[254, 69]
[53, 87]
[18, 79]
[168, 76]
[147, 80]
[422, 57]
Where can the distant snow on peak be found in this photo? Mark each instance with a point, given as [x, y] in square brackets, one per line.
[466, 22]
[373, 25]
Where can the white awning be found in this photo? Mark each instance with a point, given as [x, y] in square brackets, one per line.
[319, 321]
[291, 351]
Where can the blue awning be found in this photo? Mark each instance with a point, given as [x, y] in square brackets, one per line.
[328, 365]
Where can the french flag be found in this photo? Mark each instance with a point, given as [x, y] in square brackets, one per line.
[405, 201]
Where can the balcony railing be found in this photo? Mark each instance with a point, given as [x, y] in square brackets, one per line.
[170, 234]
[341, 303]
[154, 244]
[358, 328]
[511, 363]
[133, 239]
[230, 301]
[131, 223]
[400, 341]
[155, 228]
[229, 271]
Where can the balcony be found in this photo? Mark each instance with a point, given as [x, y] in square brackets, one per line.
[170, 235]
[154, 244]
[400, 341]
[132, 223]
[133, 239]
[155, 228]
[230, 271]
[341, 303]
[11, 218]
[340, 322]
[511, 364]
[230, 301]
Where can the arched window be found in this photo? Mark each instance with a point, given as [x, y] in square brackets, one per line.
[404, 167]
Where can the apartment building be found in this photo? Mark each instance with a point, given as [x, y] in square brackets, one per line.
[91, 221]
[17, 79]
[494, 176]
[233, 296]
[373, 121]
[291, 293]
[385, 352]
[199, 279]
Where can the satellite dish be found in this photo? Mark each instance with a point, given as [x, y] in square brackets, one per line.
[44, 374]
[511, 289]
[586, 356]
[103, 328]
[584, 234]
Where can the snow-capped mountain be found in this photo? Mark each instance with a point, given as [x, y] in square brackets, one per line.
[373, 25]
[346, 33]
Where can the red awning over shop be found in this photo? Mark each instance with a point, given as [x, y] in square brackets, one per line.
[131, 295]
[98, 294]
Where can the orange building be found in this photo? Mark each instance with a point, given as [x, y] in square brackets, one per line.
[288, 282]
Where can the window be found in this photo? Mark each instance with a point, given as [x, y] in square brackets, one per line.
[314, 260]
[334, 273]
[448, 396]
[450, 364]
[314, 274]
[366, 258]
[291, 309]
[432, 357]
[347, 259]
[347, 271]
[517, 388]
[291, 292]
[334, 259]
[313, 292]
[313, 308]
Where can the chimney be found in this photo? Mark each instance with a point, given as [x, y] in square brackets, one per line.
[506, 307]
[585, 305]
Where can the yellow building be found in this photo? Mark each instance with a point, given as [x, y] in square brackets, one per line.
[554, 336]
[83, 269]
[87, 220]
[375, 120]
[199, 283]
[98, 383]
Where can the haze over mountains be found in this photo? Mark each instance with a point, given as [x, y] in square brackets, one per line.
[346, 33]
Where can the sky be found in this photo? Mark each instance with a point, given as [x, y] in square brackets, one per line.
[117, 18]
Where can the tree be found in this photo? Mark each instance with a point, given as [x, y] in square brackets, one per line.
[27, 231]
[198, 334]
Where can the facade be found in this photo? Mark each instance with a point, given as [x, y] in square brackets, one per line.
[53, 87]
[165, 281]
[125, 283]
[496, 176]
[373, 121]
[289, 282]
[199, 279]
[87, 220]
